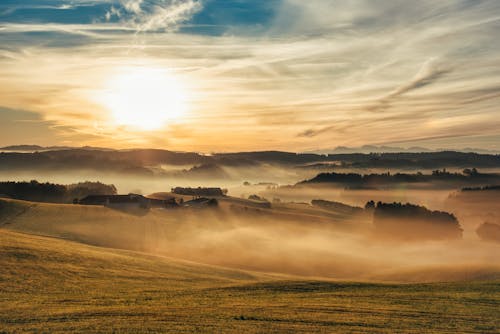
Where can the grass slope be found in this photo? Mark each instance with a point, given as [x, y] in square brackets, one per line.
[95, 224]
[50, 285]
[277, 240]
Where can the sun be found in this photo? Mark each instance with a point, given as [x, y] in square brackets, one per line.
[145, 98]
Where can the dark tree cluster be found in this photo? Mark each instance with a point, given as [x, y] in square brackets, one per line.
[83, 189]
[54, 193]
[33, 191]
[485, 188]
[425, 160]
[355, 180]
[199, 191]
[409, 221]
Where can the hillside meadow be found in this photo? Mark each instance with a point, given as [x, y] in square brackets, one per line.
[57, 286]
[297, 239]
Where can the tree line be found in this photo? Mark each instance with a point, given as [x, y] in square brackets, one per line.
[409, 221]
[54, 193]
[374, 179]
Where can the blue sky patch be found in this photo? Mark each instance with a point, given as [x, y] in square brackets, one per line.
[220, 16]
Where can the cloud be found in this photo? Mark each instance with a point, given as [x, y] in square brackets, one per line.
[313, 72]
[312, 132]
[112, 12]
[429, 73]
[133, 6]
[158, 15]
[16, 124]
[142, 15]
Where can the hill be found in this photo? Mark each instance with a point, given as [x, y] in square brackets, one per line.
[172, 231]
[148, 162]
[59, 286]
[387, 180]
[289, 238]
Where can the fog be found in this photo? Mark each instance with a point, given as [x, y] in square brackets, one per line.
[296, 247]
[230, 178]
[280, 240]
[292, 238]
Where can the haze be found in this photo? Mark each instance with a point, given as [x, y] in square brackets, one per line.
[249, 166]
[250, 75]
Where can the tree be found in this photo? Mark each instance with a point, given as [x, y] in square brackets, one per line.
[370, 205]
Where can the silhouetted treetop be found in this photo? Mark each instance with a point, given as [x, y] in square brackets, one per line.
[376, 180]
[50, 192]
[409, 221]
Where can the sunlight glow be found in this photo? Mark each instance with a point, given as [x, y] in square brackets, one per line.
[145, 98]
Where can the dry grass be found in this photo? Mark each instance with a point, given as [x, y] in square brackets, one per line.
[50, 285]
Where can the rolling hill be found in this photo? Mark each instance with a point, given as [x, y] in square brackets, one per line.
[59, 286]
[295, 239]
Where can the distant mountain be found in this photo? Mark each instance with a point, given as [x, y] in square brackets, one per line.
[150, 161]
[136, 162]
[22, 148]
[391, 149]
[33, 148]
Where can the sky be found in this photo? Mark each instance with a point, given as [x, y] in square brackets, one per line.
[240, 75]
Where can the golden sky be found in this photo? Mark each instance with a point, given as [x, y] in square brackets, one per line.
[221, 75]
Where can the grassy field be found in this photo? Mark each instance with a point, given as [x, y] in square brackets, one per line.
[51, 285]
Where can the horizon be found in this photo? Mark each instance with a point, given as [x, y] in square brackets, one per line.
[365, 149]
[233, 76]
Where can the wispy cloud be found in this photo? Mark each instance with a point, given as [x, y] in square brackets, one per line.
[144, 15]
[320, 73]
[429, 73]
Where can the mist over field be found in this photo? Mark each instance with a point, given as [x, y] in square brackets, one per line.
[281, 229]
[242, 166]
[289, 238]
[101, 237]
